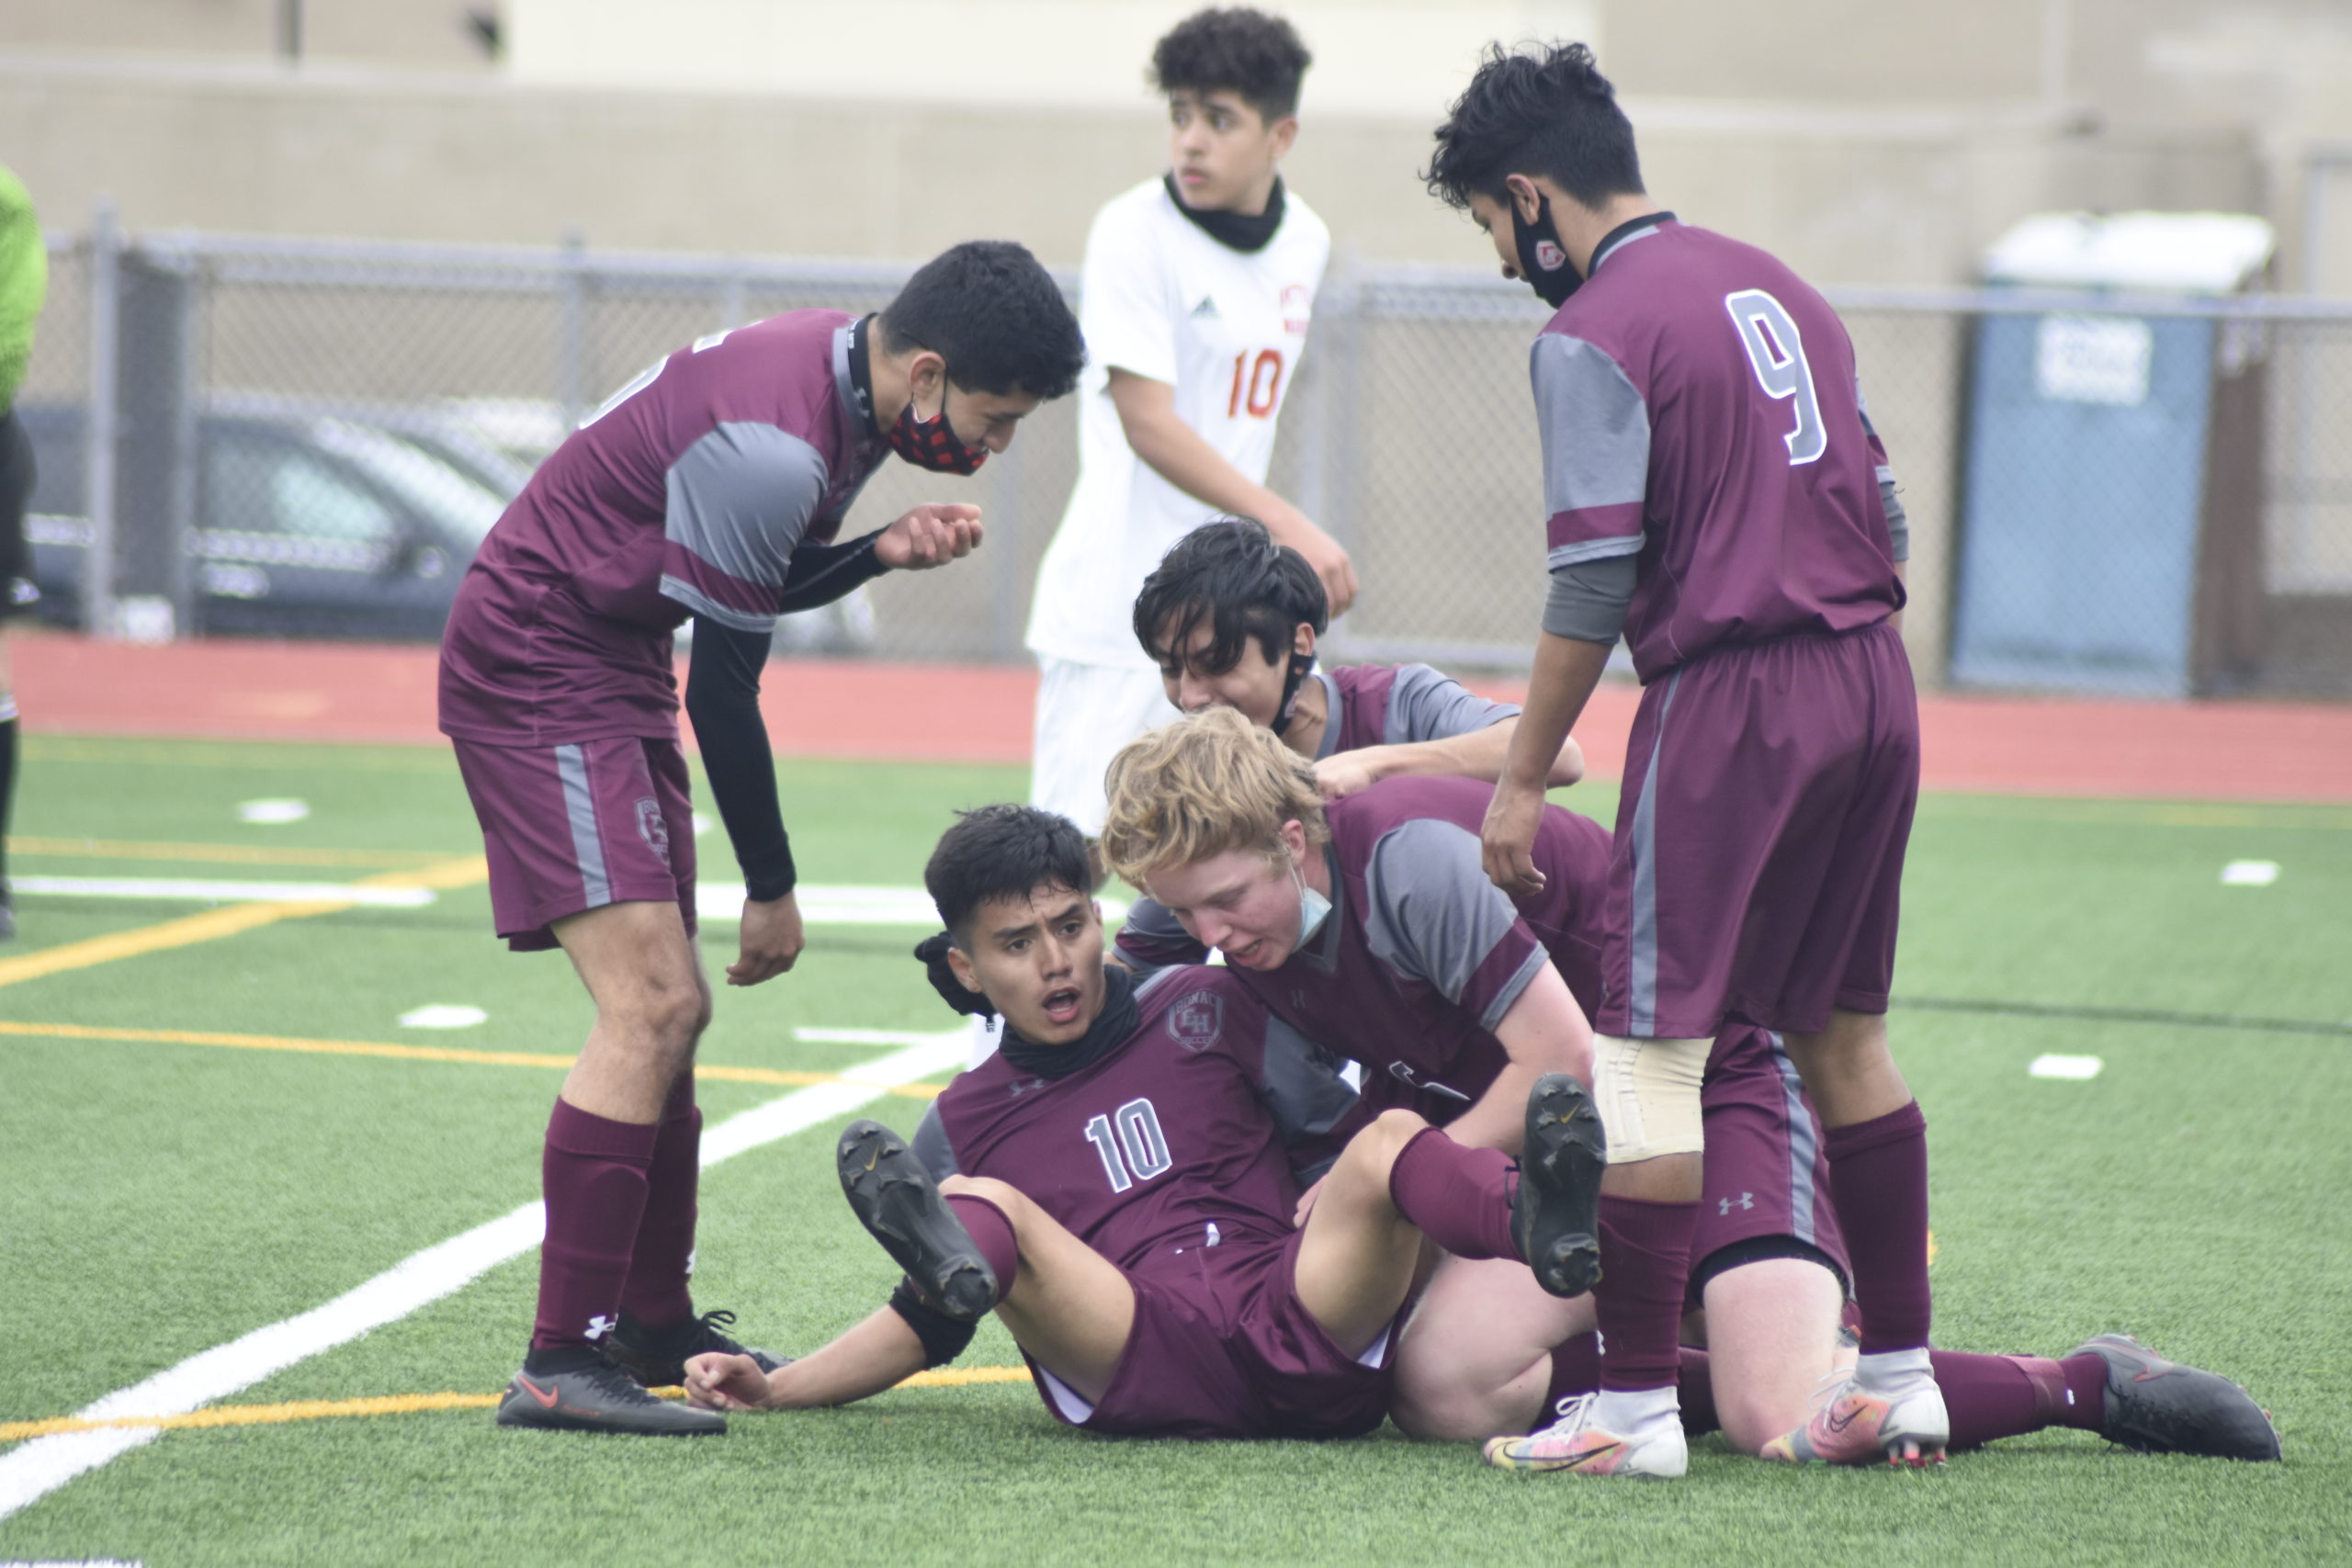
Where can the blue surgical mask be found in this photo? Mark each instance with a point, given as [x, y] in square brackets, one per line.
[1313, 909]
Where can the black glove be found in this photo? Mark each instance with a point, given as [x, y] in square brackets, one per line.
[933, 952]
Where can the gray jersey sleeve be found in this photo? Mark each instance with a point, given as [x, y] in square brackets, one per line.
[1589, 600]
[1596, 434]
[1898, 521]
[1152, 939]
[931, 1147]
[1431, 913]
[1305, 1092]
[1426, 706]
[738, 501]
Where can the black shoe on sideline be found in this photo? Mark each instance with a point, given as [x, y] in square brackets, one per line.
[1555, 1217]
[587, 1394]
[895, 1199]
[657, 1356]
[2162, 1407]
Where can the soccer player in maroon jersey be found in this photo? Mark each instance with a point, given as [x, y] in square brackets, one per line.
[1716, 495]
[1115, 1184]
[711, 487]
[1232, 618]
[1487, 1351]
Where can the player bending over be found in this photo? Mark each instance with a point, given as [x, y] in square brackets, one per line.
[1365, 922]
[1114, 1184]
[711, 487]
[1715, 494]
[1232, 619]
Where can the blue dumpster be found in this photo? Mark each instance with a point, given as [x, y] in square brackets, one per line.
[2110, 520]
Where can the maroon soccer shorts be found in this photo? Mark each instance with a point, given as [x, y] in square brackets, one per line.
[1758, 859]
[1221, 1347]
[573, 828]
[1767, 1179]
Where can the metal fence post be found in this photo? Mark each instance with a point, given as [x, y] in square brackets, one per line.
[571, 330]
[98, 424]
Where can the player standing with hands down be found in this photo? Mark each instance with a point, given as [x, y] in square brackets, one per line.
[1197, 289]
[1717, 495]
[712, 486]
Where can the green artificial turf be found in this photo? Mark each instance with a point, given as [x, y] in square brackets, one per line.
[158, 1199]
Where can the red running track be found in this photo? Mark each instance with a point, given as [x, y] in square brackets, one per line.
[274, 691]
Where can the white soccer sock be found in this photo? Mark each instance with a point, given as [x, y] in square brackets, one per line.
[1629, 1412]
[1886, 1369]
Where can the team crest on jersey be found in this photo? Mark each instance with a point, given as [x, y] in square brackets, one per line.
[1549, 257]
[652, 829]
[1295, 306]
[1197, 1021]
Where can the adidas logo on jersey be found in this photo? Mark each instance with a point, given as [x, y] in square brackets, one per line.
[1208, 307]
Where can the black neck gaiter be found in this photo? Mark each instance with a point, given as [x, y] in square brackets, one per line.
[1234, 230]
[1113, 1027]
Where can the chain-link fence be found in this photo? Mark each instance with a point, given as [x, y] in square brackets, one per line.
[2105, 493]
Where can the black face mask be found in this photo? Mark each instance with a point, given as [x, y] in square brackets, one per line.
[1543, 260]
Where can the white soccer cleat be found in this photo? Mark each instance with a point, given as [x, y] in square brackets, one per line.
[1656, 1449]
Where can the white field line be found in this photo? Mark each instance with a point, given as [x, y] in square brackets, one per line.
[222, 892]
[43, 1464]
[823, 904]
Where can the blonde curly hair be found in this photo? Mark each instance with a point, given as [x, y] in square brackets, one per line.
[1207, 784]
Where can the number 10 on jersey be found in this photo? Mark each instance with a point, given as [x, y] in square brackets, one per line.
[1257, 384]
[1129, 1139]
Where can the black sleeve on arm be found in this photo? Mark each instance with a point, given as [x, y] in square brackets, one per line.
[723, 701]
[820, 574]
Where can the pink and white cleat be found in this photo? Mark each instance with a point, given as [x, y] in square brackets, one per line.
[1874, 1411]
[1656, 1449]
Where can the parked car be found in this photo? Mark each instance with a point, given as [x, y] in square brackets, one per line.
[329, 519]
[304, 525]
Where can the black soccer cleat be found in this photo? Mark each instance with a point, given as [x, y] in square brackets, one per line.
[895, 1199]
[1556, 1216]
[657, 1356]
[600, 1397]
[2162, 1407]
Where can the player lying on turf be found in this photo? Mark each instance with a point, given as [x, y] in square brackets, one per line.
[711, 487]
[1488, 1353]
[1232, 619]
[1114, 1183]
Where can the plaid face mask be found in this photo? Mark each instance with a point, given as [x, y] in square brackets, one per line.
[931, 443]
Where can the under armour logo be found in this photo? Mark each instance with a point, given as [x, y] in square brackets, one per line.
[1745, 1201]
[1024, 1086]
[599, 1327]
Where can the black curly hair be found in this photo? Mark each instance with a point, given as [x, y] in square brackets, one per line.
[1538, 109]
[992, 312]
[1234, 49]
[1230, 576]
[1002, 852]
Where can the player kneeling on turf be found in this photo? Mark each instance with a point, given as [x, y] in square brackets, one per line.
[1114, 1184]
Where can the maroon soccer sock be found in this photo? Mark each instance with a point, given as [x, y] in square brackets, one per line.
[1644, 1267]
[992, 1234]
[1878, 1174]
[1459, 1198]
[657, 1294]
[2006, 1396]
[593, 1175]
[1697, 1381]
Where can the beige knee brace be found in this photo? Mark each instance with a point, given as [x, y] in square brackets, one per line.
[1647, 1093]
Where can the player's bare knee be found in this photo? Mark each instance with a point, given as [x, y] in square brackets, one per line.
[1430, 1404]
[1386, 1138]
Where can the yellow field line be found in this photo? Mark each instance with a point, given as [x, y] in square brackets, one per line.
[786, 1078]
[214, 924]
[222, 854]
[392, 1404]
